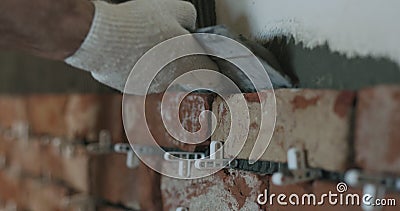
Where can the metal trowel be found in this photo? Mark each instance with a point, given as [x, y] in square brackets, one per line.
[268, 61]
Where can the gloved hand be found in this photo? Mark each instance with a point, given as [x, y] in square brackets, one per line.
[121, 34]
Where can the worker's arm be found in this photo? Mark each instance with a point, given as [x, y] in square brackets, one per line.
[103, 38]
[46, 28]
[121, 34]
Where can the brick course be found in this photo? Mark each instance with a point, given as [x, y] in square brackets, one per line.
[189, 112]
[317, 121]
[236, 190]
[40, 174]
[377, 134]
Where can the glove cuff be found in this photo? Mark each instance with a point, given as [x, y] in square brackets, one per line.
[110, 44]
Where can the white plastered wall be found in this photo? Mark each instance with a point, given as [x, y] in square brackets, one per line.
[351, 27]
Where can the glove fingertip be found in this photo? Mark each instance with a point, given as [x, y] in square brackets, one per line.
[186, 15]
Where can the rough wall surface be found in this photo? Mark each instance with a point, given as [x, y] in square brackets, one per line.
[60, 165]
[314, 23]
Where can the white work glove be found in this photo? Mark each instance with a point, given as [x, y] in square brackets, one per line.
[120, 34]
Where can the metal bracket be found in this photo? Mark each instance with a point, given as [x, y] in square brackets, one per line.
[65, 148]
[216, 160]
[132, 161]
[103, 146]
[184, 160]
[356, 178]
[148, 150]
[373, 185]
[20, 131]
[297, 169]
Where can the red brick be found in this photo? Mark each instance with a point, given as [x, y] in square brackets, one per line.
[12, 188]
[38, 158]
[21, 154]
[32, 194]
[46, 114]
[322, 187]
[298, 189]
[39, 195]
[76, 116]
[318, 121]
[72, 169]
[189, 112]
[12, 110]
[44, 196]
[85, 171]
[148, 187]
[81, 170]
[110, 179]
[26, 155]
[377, 134]
[395, 196]
[225, 190]
[5, 150]
[88, 114]
[9, 205]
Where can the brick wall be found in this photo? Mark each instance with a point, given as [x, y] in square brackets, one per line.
[52, 165]
[64, 160]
